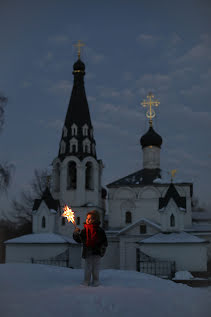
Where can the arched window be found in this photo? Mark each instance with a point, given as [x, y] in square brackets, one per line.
[71, 175]
[57, 177]
[73, 148]
[43, 222]
[78, 221]
[143, 228]
[63, 221]
[128, 217]
[89, 176]
[86, 148]
[172, 221]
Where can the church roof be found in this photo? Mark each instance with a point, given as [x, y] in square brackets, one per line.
[77, 114]
[172, 193]
[42, 238]
[48, 199]
[174, 237]
[144, 177]
[151, 138]
[145, 220]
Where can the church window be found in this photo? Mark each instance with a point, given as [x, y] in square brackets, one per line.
[93, 148]
[57, 178]
[73, 145]
[86, 146]
[89, 176]
[78, 221]
[128, 217]
[143, 228]
[74, 129]
[172, 221]
[63, 221]
[85, 130]
[71, 175]
[43, 222]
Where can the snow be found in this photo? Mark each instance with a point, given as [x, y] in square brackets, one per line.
[174, 237]
[48, 291]
[183, 275]
[41, 238]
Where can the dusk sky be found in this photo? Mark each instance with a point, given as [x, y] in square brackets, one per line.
[131, 48]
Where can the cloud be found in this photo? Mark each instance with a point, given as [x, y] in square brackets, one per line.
[147, 39]
[58, 39]
[94, 56]
[60, 87]
[55, 124]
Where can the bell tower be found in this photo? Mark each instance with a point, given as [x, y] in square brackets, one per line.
[77, 172]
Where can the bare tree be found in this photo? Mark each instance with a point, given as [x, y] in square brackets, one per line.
[5, 167]
[23, 206]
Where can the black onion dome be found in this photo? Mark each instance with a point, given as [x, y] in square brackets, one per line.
[79, 65]
[151, 138]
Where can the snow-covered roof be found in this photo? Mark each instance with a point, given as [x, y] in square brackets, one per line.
[201, 215]
[150, 222]
[174, 237]
[41, 238]
[199, 227]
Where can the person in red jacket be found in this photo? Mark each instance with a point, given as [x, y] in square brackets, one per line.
[95, 243]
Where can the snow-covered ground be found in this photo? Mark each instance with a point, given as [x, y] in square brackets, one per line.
[34, 290]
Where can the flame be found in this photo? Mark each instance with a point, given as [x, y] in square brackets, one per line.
[69, 214]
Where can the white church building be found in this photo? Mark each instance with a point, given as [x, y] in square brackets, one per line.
[149, 222]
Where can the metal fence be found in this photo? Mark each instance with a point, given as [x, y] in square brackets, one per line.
[150, 265]
[64, 263]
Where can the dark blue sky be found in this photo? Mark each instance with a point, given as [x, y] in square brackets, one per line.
[132, 47]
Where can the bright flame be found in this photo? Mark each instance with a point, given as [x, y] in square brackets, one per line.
[69, 214]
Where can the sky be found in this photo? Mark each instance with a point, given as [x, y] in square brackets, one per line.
[131, 48]
[45, 290]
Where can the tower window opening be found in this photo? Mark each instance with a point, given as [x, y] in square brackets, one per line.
[63, 221]
[172, 221]
[78, 221]
[73, 148]
[128, 217]
[71, 175]
[143, 228]
[74, 129]
[85, 130]
[43, 222]
[89, 176]
[57, 178]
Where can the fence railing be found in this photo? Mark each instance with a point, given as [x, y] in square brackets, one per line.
[63, 263]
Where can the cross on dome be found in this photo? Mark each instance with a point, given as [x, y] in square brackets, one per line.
[150, 113]
[79, 45]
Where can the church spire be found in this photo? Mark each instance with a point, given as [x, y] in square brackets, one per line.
[77, 136]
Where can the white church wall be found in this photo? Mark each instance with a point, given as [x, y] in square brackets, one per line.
[150, 230]
[43, 211]
[24, 252]
[75, 252]
[111, 257]
[184, 255]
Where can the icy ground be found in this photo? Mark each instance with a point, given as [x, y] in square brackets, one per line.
[33, 290]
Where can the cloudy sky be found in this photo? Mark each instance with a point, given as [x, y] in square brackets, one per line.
[132, 47]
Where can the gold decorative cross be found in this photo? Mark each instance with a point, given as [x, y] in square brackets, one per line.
[150, 113]
[173, 172]
[79, 45]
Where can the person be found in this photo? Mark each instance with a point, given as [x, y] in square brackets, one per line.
[94, 242]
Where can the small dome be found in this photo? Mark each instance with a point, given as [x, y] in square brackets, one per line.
[151, 138]
[79, 65]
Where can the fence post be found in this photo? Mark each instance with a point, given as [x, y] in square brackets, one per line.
[32, 260]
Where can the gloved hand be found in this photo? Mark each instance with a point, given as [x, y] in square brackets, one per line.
[77, 229]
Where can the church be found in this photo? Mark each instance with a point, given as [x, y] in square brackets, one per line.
[148, 220]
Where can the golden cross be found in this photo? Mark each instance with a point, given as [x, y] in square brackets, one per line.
[150, 113]
[173, 172]
[79, 45]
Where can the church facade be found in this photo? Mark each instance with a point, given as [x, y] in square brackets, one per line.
[149, 219]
